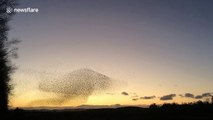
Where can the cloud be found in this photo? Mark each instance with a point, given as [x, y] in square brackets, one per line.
[198, 97]
[79, 84]
[168, 97]
[189, 95]
[147, 97]
[135, 99]
[206, 94]
[181, 95]
[203, 95]
[125, 93]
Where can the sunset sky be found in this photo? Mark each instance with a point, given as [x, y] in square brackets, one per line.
[147, 48]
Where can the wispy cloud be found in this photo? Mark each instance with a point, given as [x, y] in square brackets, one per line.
[189, 95]
[147, 97]
[207, 94]
[168, 97]
[198, 97]
[203, 95]
[125, 93]
[135, 99]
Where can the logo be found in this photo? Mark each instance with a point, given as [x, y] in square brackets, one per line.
[9, 10]
[22, 10]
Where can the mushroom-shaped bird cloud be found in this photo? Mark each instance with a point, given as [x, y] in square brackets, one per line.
[78, 84]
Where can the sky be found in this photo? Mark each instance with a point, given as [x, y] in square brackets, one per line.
[141, 51]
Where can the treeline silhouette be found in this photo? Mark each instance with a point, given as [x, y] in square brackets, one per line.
[197, 111]
[6, 52]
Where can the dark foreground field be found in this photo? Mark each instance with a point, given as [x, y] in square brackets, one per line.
[177, 112]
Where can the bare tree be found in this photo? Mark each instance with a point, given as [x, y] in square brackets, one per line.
[6, 52]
